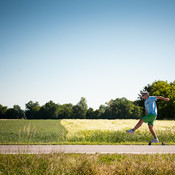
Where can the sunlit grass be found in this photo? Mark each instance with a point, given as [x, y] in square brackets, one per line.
[82, 132]
[87, 164]
[114, 131]
[115, 125]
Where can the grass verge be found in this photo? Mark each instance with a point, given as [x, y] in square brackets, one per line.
[91, 164]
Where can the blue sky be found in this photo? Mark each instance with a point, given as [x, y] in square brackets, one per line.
[62, 50]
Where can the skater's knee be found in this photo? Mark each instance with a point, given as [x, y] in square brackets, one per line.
[141, 121]
[150, 126]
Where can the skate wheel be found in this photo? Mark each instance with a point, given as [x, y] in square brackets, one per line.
[163, 143]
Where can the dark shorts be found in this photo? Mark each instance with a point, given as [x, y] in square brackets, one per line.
[149, 118]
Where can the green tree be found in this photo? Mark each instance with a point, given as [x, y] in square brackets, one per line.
[166, 110]
[65, 111]
[80, 109]
[90, 113]
[49, 110]
[97, 114]
[137, 112]
[102, 108]
[11, 113]
[32, 110]
[20, 112]
[163, 88]
[122, 108]
[171, 104]
[3, 110]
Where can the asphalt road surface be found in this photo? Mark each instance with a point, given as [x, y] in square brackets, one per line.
[88, 149]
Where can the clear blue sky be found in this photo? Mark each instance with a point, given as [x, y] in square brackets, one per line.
[62, 50]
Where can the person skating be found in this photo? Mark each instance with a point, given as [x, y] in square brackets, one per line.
[150, 114]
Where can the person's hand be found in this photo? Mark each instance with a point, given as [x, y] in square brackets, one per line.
[166, 99]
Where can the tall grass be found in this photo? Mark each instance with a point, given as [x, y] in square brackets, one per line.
[114, 131]
[31, 131]
[83, 164]
[119, 137]
[81, 132]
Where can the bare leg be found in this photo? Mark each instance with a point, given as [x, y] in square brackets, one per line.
[152, 131]
[139, 124]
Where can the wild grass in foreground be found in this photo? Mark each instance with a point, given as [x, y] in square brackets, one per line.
[91, 164]
[82, 132]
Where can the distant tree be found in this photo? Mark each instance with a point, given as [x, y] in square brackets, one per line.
[83, 106]
[166, 110]
[3, 110]
[97, 114]
[80, 109]
[90, 113]
[20, 112]
[171, 104]
[137, 112]
[43, 113]
[77, 114]
[121, 108]
[32, 110]
[163, 88]
[11, 113]
[49, 110]
[102, 109]
[65, 111]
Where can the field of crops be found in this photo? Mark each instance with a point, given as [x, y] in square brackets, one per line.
[81, 132]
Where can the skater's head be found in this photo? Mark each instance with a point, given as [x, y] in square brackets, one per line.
[145, 95]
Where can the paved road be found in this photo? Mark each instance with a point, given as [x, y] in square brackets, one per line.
[88, 149]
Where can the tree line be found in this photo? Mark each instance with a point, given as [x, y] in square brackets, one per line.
[119, 108]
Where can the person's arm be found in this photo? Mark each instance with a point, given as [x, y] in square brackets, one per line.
[163, 98]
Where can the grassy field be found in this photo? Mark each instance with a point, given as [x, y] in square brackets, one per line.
[91, 164]
[81, 132]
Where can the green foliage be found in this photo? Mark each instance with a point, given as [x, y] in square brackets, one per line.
[32, 110]
[119, 108]
[166, 110]
[11, 113]
[122, 108]
[90, 113]
[49, 110]
[80, 110]
[161, 88]
[19, 111]
[65, 111]
[3, 110]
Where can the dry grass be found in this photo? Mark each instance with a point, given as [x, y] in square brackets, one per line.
[113, 131]
[83, 164]
[74, 126]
